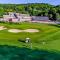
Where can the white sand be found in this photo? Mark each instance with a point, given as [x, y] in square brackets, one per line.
[17, 30]
[27, 30]
[14, 30]
[31, 30]
[2, 28]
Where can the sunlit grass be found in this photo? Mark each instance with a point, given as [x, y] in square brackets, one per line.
[47, 33]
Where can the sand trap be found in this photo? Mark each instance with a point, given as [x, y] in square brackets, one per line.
[27, 30]
[14, 30]
[31, 30]
[17, 30]
[2, 28]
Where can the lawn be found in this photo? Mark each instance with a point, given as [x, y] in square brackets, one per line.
[50, 34]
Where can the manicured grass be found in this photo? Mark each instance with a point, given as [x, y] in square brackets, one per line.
[50, 34]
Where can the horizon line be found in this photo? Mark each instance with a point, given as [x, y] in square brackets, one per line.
[30, 3]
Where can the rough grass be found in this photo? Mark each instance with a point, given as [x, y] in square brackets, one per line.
[48, 33]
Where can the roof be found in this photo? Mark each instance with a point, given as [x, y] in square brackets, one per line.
[40, 18]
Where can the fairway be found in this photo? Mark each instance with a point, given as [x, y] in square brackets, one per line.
[48, 37]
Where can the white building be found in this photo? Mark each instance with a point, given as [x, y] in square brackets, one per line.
[40, 18]
[16, 17]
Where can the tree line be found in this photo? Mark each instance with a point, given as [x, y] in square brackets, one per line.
[35, 9]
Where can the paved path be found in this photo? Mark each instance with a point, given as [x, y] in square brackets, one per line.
[47, 22]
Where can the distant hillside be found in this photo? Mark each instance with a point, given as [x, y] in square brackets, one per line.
[36, 9]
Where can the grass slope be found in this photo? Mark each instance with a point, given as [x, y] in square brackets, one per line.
[48, 33]
[15, 53]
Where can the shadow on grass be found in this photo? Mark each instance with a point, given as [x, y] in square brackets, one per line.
[15, 53]
[56, 25]
[21, 40]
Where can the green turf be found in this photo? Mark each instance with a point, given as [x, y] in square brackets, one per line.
[47, 33]
[17, 53]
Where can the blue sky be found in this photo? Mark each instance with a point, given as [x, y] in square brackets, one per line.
[53, 2]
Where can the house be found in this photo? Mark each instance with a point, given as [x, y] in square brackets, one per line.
[40, 18]
[16, 17]
[24, 17]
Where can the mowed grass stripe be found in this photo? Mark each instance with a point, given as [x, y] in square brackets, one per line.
[47, 33]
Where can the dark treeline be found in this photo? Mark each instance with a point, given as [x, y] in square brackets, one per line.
[36, 9]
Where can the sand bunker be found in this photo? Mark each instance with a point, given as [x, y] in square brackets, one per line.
[14, 30]
[2, 28]
[27, 30]
[31, 30]
[17, 30]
